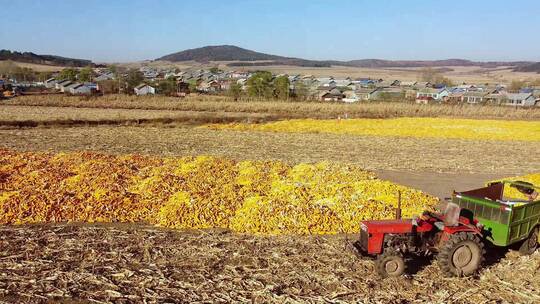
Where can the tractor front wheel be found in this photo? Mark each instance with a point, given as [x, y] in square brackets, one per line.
[390, 264]
[530, 245]
[461, 255]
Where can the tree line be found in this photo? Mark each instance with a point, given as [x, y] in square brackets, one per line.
[263, 85]
[9, 69]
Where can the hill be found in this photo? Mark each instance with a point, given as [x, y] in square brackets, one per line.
[29, 57]
[220, 53]
[534, 67]
[245, 57]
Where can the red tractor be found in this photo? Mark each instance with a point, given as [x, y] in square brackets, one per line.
[457, 236]
[456, 239]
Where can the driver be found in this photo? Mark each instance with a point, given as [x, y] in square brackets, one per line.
[527, 189]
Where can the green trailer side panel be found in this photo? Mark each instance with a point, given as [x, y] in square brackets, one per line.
[524, 219]
[504, 224]
[490, 214]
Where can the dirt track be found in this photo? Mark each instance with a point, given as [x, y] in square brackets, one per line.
[439, 184]
[134, 263]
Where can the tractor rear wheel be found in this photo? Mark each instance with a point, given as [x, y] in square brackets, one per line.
[530, 244]
[461, 255]
[390, 264]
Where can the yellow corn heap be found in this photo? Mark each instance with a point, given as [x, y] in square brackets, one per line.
[511, 192]
[418, 127]
[262, 197]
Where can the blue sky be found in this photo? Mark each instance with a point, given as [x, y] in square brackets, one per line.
[312, 29]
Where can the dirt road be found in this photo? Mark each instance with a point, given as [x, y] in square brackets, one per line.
[439, 184]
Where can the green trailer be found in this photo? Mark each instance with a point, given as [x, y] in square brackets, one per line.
[505, 221]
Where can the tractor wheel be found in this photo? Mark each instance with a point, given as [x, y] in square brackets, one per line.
[461, 255]
[390, 264]
[530, 244]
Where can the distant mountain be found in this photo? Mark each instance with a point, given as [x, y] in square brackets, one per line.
[533, 67]
[29, 57]
[219, 53]
[244, 57]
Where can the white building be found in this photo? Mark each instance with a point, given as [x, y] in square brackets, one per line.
[61, 85]
[79, 89]
[428, 94]
[50, 83]
[144, 89]
[520, 99]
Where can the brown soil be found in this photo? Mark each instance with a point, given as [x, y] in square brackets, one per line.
[135, 264]
[439, 184]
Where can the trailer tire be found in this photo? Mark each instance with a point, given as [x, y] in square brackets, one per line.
[462, 255]
[390, 264]
[530, 244]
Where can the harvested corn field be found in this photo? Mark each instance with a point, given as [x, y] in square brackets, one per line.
[142, 264]
[261, 197]
[404, 127]
[369, 152]
[28, 116]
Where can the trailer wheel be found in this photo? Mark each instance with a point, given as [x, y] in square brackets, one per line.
[390, 264]
[530, 244]
[461, 255]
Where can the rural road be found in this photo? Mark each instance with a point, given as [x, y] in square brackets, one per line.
[439, 184]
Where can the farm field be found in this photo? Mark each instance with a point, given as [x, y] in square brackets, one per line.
[22, 116]
[278, 109]
[135, 263]
[404, 127]
[280, 193]
[501, 158]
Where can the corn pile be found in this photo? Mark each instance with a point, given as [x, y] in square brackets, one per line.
[511, 192]
[403, 127]
[261, 197]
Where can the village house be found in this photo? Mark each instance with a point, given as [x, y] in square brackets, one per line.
[422, 85]
[536, 91]
[332, 95]
[387, 83]
[496, 98]
[79, 89]
[144, 89]
[429, 94]
[68, 88]
[455, 96]
[238, 75]
[61, 85]
[50, 83]
[467, 87]
[365, 82]
[350, 96]
[474, 97]
[211, 86]
[533, 90]
[365, 94]
[520, 99]
[407, 84]
[342, 83]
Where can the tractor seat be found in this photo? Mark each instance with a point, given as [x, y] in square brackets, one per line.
[439, 225]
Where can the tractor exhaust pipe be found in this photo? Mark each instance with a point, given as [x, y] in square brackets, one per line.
[398, 209]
